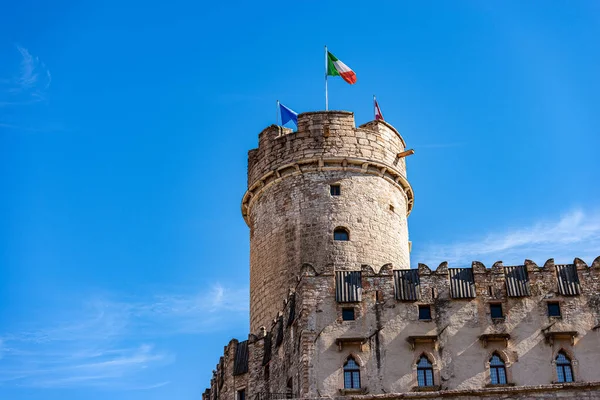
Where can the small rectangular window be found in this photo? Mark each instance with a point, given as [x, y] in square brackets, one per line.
[425, 312]
[241, 394]
[553, 309]
[496, 311]
[335, 190]
[348, 314]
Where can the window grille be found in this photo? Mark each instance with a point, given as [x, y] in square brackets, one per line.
[351, 375]
[564, 370]
[497, 370]
[424, 372]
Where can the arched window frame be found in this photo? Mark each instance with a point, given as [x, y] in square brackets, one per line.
[504, 356]
[497, 369]
[434, 365]
[339, 232]
[425, 376]
[556, 365]
[351, 373]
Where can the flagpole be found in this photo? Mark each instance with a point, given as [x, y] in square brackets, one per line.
[277, 113]
[326, 97]
[374, 108]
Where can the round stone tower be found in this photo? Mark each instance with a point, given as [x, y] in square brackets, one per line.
[329, 176]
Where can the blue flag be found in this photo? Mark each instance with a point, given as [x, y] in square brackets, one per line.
[287, 115]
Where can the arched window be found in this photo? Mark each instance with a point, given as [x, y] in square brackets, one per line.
[424, 372]
[564, 372]
[341, 234]
[351, 374]
[497, 370]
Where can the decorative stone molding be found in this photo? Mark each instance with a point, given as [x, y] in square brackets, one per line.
[328, 164]
[552, 336]
[494, 337]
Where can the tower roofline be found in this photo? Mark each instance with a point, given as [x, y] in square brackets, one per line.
[365, 125]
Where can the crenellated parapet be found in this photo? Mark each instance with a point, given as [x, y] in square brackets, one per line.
[325, 134]
[310, 337]
[326, 141]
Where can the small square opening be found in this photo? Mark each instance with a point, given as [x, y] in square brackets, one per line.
[496, 311]
[553, 309]
[425, 312]
[335, 190]
[348, 314]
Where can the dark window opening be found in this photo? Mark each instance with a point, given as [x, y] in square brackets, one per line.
[497, 370]
[424, 372]
[341, 234]
[553, 309]
[564, 371]
[425, 312]
[496, 311]
[351, 375]
[290, 387]
[348, 314]
[335, 190]
[241, 394]
[391, 208]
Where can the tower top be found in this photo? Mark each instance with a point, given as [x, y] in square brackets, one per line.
[326, 140]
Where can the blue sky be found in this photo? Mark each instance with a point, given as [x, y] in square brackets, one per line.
[124, 130]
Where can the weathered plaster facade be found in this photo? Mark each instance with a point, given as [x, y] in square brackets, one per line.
[299, 341]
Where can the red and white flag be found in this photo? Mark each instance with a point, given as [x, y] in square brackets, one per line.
[378, 114]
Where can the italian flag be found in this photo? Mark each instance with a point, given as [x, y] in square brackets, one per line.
[337, 68]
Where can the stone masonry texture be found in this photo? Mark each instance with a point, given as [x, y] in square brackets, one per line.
[298, 341]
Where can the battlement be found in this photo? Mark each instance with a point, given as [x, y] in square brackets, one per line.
[385, 326]
[325, 134]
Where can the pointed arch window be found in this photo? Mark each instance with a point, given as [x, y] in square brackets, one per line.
[564, 370]
[424, 372]
[497, 370]
[351, 374]
[341, 234]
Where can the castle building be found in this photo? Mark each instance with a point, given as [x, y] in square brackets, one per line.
[336, 310]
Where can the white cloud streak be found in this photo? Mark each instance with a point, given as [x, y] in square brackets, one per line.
[29, 84]
[574, 234]
[108, 344]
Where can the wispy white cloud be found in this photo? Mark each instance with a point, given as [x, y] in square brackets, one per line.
[109, 342]
[29, 84]
[574, 234]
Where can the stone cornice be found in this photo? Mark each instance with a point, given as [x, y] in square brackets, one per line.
[302, 166]
[505, 391]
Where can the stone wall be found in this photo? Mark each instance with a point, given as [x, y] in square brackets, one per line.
[306, 359]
